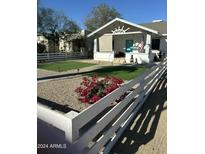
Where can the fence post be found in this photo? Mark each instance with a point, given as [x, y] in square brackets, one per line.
[72, 132]
[65, 55]
[48, 57]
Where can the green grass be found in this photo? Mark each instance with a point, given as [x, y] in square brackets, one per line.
[123, 72]
[64, 65]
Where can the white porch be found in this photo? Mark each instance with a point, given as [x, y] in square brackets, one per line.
[108, 46]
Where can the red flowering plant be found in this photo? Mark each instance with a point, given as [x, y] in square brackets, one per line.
[93, 89]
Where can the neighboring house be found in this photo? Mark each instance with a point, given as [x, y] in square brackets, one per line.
[42, 40]
[69, 43]
[130, 42]
[50, 45]
[76, 42]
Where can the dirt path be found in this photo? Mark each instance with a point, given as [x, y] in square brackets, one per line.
[147, 132]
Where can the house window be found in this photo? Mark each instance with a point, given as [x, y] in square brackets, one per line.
[155, 44]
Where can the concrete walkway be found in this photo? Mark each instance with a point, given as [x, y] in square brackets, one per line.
[147, 132]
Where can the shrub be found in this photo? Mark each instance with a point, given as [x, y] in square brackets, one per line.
[41, 47]
[93, 89]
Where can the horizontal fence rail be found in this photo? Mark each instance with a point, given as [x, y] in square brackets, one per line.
[47, 57]
[98, 127]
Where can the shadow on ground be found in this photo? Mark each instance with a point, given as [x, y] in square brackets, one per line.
[143, 127]
[54, 106]
[51, 140]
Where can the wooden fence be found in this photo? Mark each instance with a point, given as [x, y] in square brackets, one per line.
[48, 57]
[97, 128]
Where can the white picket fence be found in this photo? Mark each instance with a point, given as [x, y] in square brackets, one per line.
[47, 57]
[97, 128]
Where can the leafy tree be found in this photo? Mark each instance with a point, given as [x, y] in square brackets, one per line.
[52, 23]
[41, 47]
[100, 15]
[72, 27]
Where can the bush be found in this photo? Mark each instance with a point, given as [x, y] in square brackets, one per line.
[119, 54]
[41, 48]
[93, 89]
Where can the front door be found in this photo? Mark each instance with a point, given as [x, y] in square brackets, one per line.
[129, 45]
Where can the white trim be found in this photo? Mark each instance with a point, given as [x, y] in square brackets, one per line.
[138, 26]
[137, 32]
[97, 30]
[158, 20]
[125, 21]
[119, 30]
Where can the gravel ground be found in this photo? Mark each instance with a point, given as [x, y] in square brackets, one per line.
[62, 92]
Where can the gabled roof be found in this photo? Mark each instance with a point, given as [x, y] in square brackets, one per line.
[160, 26]
[126, 22]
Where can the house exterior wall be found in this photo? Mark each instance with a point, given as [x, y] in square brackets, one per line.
[105, 43]
[105, 51]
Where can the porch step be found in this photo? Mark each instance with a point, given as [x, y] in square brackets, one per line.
[104, 62]
[119, 61]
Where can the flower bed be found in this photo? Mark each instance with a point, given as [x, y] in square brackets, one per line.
[93, 89]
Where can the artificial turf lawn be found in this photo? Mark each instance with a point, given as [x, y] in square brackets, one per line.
[123, 72]
[64, 65]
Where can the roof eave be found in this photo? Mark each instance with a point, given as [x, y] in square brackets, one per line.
[125, 21]
[97, 30]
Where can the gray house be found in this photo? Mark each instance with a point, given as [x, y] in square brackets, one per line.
[125, 42]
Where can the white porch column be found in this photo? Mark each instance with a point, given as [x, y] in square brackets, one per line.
[148, 43]
[148, 39]
[95, 46]
[95, 49]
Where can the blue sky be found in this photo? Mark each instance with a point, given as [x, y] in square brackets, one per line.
[137, 11]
